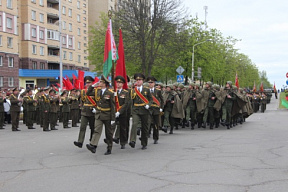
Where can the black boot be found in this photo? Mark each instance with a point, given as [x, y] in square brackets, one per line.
[211, 125]
[183, 124]
[171, 130]
[204, 125]
[192, 126]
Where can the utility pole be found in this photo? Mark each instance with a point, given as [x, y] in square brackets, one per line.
[206, 13]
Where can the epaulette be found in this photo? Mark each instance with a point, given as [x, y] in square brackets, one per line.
[158, 89]
[145, 87]
[97, 87]
[125, 90]
[111, 90]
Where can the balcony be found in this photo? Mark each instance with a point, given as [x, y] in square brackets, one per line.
[53, 1]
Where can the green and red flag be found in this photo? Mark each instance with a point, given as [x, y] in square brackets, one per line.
[110, 50]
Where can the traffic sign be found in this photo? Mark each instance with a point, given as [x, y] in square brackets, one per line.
[287, 81]
[287, 74]
[180, 70]
[180, 78]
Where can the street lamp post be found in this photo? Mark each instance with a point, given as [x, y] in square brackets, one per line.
[60, 48]
[192, 75]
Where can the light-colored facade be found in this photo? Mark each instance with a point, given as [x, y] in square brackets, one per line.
[36, 37]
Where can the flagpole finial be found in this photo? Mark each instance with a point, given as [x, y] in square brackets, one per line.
[110, 14]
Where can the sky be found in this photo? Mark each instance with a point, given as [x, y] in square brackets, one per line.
[262, 26]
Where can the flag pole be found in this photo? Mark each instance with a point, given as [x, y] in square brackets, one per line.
[113, 63]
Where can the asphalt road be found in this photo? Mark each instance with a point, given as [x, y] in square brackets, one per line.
[248, 158]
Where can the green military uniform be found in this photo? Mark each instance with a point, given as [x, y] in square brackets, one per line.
[168, 98]
[54, 102]
[30, 109]
[209, 99]
[189, 104]
[88, 106]
[122, 104]
[15, 110]
[65, 109]
[24, 107]
[45, 105]
[140, 105]
[1, 112]
[74, 109]
[229, 98]
[105, 114]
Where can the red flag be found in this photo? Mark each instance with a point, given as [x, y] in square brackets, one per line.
[75, 81]
[96, 79]
[69, 85]
[120, 67]
[55, 88]
[236, 81]
[81, 79]
[58, 85]
[254, 87]
[261, 87]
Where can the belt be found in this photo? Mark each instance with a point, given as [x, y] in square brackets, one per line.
[103, 109]
[89, 105]
[138, 105]
[154, 105]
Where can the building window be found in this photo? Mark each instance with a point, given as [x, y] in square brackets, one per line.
[33, 32]
[70, 1]
[85, 31]
[9, 23]
[85, 38]
[78, 4]
[41, 17]
[79, 45]
[33, 1]
[10, 61]
[41, 50]
[33, 15]
[70, 56]
[70, 41]
[64, 10]
[70, 12]
[0, 19]
[10, 82]
[70, 26]
[84, 18]
[1, 61]
[34, 49]
[9, 42]
[85, 44]
[64, 55]
[41, 3]
[41, 34]
[79, 58]
[85, 64]
[9, 4]
[42, 65]
[0, 40]
[64, 25]
[84, 5]
[78, 18]
[34, 65]
[84, 24]
[1, 81]
[79, 31]
[64, 40]
[84, 12]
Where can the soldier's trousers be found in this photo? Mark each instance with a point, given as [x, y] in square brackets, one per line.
[37, 116]
[167, 122]
[121, 130]
[85, 120]
[227, 113]
[15, 119]
[155, 125]
[30, 116]
[24, 116]
[98, 131]
[1, 119]
[74, 116]
[144, 128]
[52, 120]
[45, 116]
[208, 113]
[65, 119]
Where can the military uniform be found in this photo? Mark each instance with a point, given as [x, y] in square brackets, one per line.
[30, 109]
[141, 101]
[54, 102]
[74, 108]
[88, 110]
[227, 105]
[65, 109]
[45, 105]
[1, 112]
[105, 114]
[15, 110]
[168, 98]
[209, 100]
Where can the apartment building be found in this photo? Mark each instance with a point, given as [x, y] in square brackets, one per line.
[32, 31]
[9, 50]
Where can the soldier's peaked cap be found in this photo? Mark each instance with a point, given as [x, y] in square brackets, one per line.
[104, 79]
[139, 76]
[151, 79]
[52, 90]
[88, 79]
[46, 88]
[15, 89]
[120, 79]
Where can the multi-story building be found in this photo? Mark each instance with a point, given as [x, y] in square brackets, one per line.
[9, 49]
[32, 31]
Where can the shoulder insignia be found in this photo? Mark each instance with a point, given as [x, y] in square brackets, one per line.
[111, 90]
[125, 90]
[158, 89]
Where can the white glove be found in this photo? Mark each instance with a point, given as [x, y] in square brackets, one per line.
[117, 114]
[146, 106]
[161, 110]
[93, 110]
[112, 122]
[94, 85]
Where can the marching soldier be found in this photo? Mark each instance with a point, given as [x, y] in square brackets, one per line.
[54, 102]
[189, 104]
[156, 108]
[229, 98]
[30, 109]
[122, 104]
[45, 108]
[209, 99]
[2, 99]
[74, 107]
[65, 109]
[142, 99]
[88, 111]
[168, 98]
[15, 108]
[105, 114]
[38, 110]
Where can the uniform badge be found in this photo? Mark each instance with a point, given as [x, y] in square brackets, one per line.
[122, 96]
[107, 97]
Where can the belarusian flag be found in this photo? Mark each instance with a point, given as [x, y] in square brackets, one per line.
[110, 51]
[236, 81]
